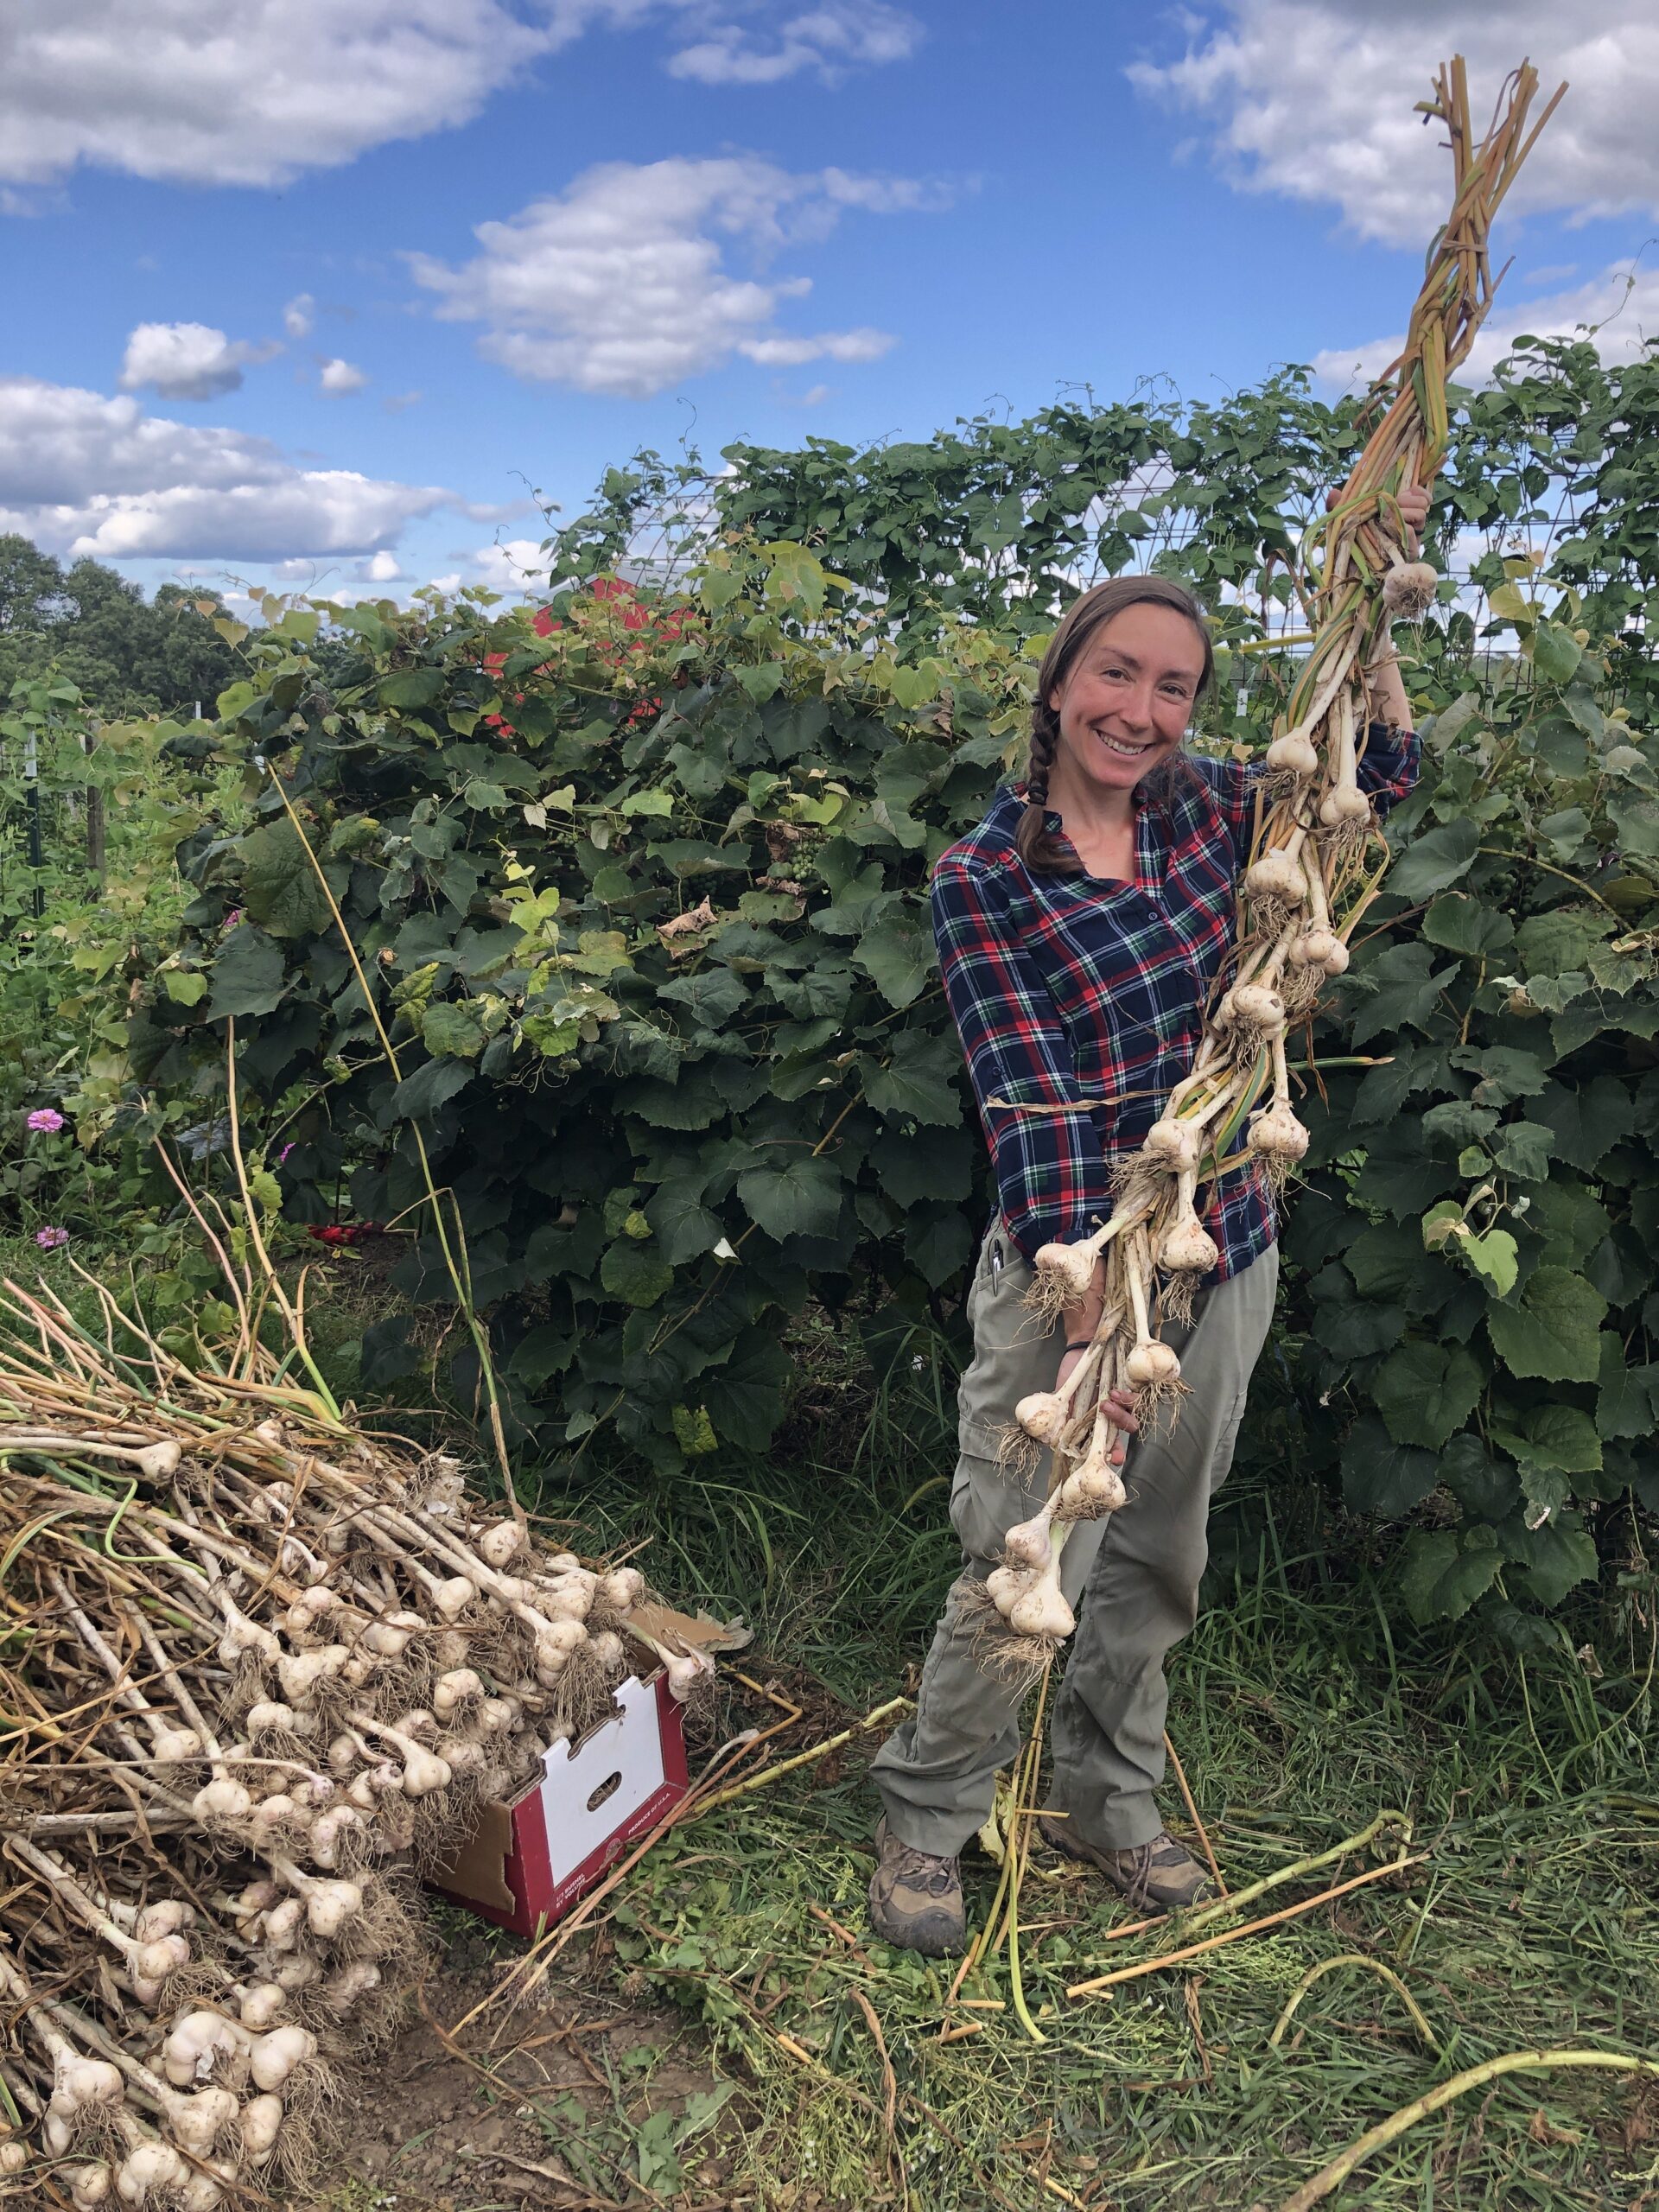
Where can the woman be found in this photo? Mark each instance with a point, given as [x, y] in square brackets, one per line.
[1082, 927]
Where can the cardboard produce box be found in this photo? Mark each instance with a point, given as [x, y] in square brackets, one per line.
[527, 1861]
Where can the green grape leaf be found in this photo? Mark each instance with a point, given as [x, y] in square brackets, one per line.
[1553, 1332]
[280, 888]
[1444, 1573]
[1425, 1392]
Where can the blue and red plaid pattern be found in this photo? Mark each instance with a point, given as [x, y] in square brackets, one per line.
[1069, 991]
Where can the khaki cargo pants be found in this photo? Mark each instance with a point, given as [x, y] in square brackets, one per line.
[1137, 1574]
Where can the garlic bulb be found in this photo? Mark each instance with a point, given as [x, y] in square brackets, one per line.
[1256, 1007]
[1028, 1543]
[1042, 1610]
[1409, 589]
[1277, 1135]
[1344, 803]
[261, 2122]
[1295, 751]
[1172, 1144]
[150, 2171]
[221, 1799]
[1276, 875]
[499, 1546]
[1153, 1363]
[1043, 1416]
[1069, 1269]
[622, 1590]
[274, 2057]
[1089, 1493]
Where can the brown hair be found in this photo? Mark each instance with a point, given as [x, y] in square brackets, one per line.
[1040, 851]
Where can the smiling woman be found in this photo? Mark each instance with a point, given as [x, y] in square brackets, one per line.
[1084, 929]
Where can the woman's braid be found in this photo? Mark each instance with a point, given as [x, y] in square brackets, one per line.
[1045, 742]
[1033, 836]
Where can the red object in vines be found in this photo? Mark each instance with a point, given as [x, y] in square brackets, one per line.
[635, 613]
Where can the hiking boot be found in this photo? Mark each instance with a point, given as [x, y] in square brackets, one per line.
[916, 1898]
[1161, 1876]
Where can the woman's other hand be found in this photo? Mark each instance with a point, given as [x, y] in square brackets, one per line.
[1413, 513]
[1120, 1409]
[1079, 1324]
[1385, 692]
[1120, 1412]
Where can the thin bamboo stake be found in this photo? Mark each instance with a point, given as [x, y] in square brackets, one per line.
[459, 1271]
[1174, 1758]
[1237, 1935]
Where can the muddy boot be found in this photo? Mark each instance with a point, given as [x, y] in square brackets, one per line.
[1161, 1876]
[916, 1898]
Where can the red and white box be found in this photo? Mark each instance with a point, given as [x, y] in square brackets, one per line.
[528, 1860]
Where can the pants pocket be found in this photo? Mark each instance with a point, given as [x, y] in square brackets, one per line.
[1221, 1459]
[985, 1503]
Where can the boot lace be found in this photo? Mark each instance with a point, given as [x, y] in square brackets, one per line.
[924, 1871]
[1139, 1862]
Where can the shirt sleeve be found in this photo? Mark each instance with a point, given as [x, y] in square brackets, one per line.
[1052, 1176]
[1389, 764]
[1235, 786]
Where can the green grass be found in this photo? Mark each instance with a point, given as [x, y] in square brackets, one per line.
[1303, 1703]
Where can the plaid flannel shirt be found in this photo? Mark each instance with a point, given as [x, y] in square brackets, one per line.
[1071, 991]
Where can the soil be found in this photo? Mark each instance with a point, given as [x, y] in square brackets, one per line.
[573, 2103]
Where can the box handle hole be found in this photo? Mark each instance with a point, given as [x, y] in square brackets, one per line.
[606, 1788]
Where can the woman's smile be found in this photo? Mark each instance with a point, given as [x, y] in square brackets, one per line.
[1129, 748]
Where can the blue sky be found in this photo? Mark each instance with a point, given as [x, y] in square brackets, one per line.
[712, 217]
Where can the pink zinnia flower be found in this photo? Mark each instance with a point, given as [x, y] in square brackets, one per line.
[46, 1117]
[49, 1239]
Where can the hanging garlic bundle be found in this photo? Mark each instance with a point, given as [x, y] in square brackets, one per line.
[1316, 863]
[254, 1663]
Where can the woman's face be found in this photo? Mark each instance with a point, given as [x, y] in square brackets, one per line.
[1128, 697]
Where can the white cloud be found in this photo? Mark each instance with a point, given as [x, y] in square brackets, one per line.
[253, 95]
[299, 315]
[261, 92]
[84, 474]
[619, 284]
[520, 565]
[1622, 306]
[1314, 99]
[382, 567]
[186, 361]
[830, 40]
[830, 345]
[338, 378]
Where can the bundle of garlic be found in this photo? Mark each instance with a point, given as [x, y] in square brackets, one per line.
[253, 1663]
[1317, 863]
